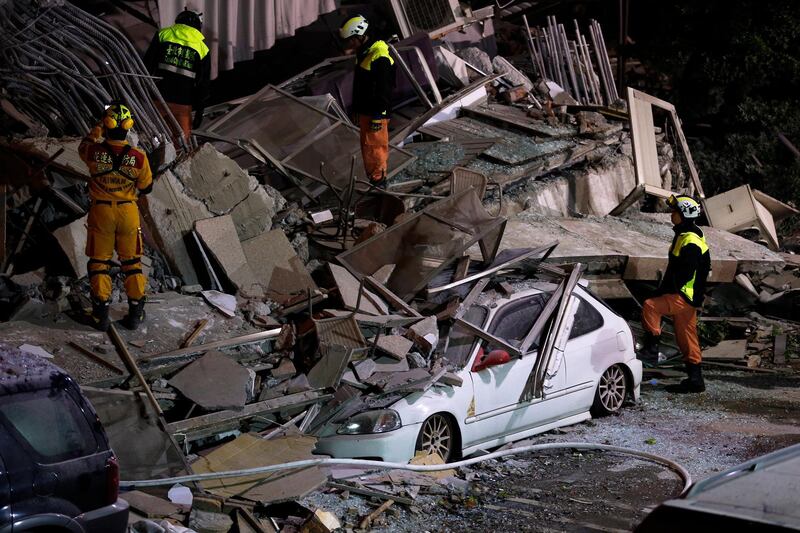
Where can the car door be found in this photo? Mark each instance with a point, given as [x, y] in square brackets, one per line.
[495, 409]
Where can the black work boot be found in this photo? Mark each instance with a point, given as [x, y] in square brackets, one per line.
[135, 314]
[650, 348]
[99, 317]
[693, 383]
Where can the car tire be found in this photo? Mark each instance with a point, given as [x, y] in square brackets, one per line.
[437, 435]
[611, 392]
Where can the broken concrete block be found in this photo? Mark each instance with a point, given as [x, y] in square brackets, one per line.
[477, 58]
[415, 360]
[364, 369]
[214, 382]
[149, 506]
[285, 369]
[425, 334]
[29, 279]
[72, 239]
[206, 522]
[170, 215]
[219, 236]
[328, 370]
[254, 215]
[388, 364]
[191, 289]
[394, 345]
[276, 265]
[383, 274]
[451, 379]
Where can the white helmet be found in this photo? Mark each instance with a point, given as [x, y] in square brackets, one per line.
[355, 26]
[687, 206]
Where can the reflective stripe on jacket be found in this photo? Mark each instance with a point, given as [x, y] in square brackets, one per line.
[682, 240]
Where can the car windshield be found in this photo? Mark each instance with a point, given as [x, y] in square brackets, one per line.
[50, 423]
[460, 341]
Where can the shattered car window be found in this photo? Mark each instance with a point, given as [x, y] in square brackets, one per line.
[515, 319]
[587, 319]
[461, 340]
[38, 416]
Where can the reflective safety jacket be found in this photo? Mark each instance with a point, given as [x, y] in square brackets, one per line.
[118, 171]
[373, 80]
[689, 264]
[179, 55]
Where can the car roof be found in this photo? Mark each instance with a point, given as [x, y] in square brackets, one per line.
[21, 371]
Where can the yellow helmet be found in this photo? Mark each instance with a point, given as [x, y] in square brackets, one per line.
[355, 26]
[118, 116]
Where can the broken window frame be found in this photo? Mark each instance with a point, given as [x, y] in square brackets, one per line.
[480, 236]
[286, 162]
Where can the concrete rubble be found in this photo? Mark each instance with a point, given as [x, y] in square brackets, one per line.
[279, 305]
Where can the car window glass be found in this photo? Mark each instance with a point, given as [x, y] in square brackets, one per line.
[587, 319]
[515, 319]
[461, 341]
[50, 422]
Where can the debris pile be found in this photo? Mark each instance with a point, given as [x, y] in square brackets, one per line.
[288, 296]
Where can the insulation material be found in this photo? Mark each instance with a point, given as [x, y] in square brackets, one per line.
[235, 30]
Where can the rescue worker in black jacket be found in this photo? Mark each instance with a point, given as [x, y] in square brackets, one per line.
[372, 91]
[179, 56]
[682, 292]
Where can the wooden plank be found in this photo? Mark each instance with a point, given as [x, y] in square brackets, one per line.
[168, 357]
[658, 102]
[739, 367]
[299, 399]
[132, 367]
[643, 140]
[96, 358]
[735, 350]
[193, 336]
[687, 154]
[355, 489]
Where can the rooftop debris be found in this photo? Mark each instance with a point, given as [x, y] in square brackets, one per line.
[286, 293]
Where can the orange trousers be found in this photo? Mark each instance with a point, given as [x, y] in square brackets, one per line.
[182, 113]
[684, 317]
[115, 226]
[374, 148]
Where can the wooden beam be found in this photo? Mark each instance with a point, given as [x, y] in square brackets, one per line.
[299, 399]
[94, 357]
[168, 357]
[392, 297]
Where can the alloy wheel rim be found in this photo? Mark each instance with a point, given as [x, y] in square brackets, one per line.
[612, 388]
[436, 437]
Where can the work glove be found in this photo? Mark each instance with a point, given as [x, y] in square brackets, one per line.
[375, 124]
[96, 133]
[198, 118]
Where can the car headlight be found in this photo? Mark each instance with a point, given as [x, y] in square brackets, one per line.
[371, 422]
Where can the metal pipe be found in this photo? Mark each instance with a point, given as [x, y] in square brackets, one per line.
[410, 75]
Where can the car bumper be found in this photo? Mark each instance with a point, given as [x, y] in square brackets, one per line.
[636, 371]
[393, 447]
[109, 519]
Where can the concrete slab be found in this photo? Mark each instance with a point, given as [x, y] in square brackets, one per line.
[72, 239]
[220, 237]
[396, 346]
[214, 382]
[348, 290]
[276, 266]
[607, 244]
[170, 215]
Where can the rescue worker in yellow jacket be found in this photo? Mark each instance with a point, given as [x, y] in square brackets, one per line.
[179, 56]
[372, 90]
[119, 174]
[681, 292]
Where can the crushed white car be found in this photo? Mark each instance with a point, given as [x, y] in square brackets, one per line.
[529, 363]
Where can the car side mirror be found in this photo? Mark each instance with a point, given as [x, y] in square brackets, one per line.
[493, 358]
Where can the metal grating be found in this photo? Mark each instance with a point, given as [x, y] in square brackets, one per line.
[428, 15]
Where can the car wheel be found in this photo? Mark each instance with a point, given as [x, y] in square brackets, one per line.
[437, 436]
[611, 392]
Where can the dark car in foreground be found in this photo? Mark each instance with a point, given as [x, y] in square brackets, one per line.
[57, 470]
[759, 495]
